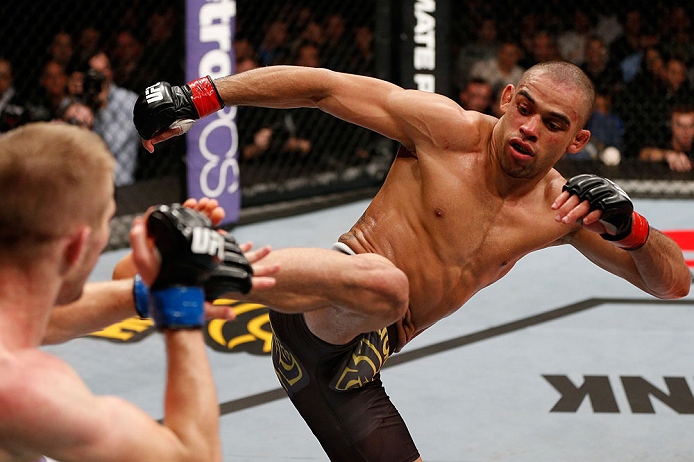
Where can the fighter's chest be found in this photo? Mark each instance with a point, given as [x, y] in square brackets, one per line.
[488, 233]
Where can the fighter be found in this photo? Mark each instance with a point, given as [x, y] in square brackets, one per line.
[56, 182]
[466, 197]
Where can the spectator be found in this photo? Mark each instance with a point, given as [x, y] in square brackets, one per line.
[677, 152]
[678, 34]
[273, 49]
[628, 42]
[88, 44]
[600, 68]
[609, 26]
[60, 49]
[79, 114]
[113, 117]
[12, 112]
[632, 64]
[501, 70]
[606, 129]
[572, 43]
[246, 57]
[337, 46]
[544, 48]
[363, 58]
[127, 62]
[644, 107]
[307, 55]
[484, 48]
[678, 89]
[276, 139]
[477, 96]
[299, 18]
[53, 89]
[529, 27]
[162, 46]
[313, 32]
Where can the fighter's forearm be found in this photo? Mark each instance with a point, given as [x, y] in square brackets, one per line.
[662, 267]
[190, 407]
[275, 87]
[101, 304]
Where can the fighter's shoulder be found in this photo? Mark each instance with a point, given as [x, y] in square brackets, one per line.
[30, 366]
[554, 182]
[472, 129]
[418, 103]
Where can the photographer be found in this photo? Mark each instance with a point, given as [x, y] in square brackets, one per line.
[112, 107]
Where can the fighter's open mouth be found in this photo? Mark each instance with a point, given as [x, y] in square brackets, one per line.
[518, 147]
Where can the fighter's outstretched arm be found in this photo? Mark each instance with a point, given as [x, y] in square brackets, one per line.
[643, 255]
[105, 303]
[408, 116]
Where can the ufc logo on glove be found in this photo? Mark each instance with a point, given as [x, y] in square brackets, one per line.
[154, 93]
[207, 241]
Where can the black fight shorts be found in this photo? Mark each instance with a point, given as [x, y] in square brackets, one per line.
[337, 389]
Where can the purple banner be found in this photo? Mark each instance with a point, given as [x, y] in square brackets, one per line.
[212, 160]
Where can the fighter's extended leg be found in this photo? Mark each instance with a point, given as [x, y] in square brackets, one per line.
[342, 295]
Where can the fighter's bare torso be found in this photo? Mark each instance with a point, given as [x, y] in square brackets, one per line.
[439, 219]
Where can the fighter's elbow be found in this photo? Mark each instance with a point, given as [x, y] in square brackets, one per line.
[679, 288]
[682, 289]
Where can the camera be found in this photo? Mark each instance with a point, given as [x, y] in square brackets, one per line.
[92, 85]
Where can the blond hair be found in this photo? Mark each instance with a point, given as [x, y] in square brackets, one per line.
[50, 178]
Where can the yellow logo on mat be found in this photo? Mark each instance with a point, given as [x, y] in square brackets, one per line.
[249, 332]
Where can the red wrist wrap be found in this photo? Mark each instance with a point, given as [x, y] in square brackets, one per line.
[205, 96]
[638, 236]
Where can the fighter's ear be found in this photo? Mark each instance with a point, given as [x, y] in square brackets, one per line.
[578, 142]
[75, 247]
[506, 97]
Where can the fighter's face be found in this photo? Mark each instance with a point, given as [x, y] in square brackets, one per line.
[96, 242]
[541, 121]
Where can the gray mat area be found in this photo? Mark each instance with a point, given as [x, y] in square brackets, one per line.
[481, 385]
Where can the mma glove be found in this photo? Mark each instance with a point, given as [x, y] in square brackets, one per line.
[163, 106]
[190, 250]
[233, 274]
[618, 216]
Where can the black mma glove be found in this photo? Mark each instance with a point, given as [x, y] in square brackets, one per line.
[630, 229]
[163, 106]
[190, 250]
[233, 274]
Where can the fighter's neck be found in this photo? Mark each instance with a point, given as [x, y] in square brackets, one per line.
[24, 310]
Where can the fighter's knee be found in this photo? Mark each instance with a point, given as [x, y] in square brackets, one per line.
[387, 288]
[395, 289]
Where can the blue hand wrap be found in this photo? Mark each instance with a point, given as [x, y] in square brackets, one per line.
[141, 295]
[178, 307]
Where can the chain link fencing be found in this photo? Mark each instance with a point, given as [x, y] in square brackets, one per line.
[84, 62]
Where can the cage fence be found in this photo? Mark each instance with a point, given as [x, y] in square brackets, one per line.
[84, 62]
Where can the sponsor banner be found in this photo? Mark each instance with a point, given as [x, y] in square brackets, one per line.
[212, 159]
[425, 64]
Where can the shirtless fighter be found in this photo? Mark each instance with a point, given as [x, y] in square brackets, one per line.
[56, 183]
[467, 196]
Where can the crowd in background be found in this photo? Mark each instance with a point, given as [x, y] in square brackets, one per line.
[91, 77]
[640, 59]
